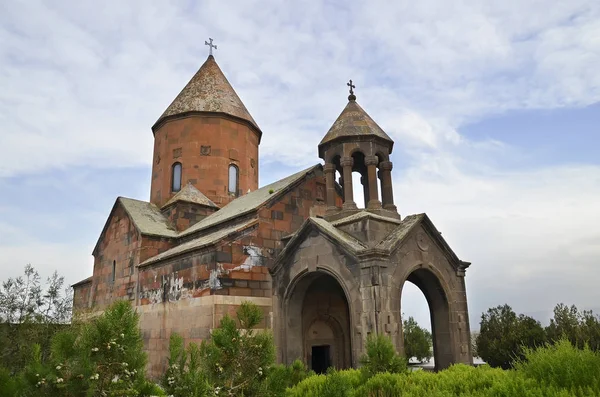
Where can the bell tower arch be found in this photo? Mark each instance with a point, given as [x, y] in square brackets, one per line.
[355, 143]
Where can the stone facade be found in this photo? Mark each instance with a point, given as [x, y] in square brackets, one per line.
[325, 272]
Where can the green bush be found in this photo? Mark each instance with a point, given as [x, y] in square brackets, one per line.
[381, 356]
[333, 384]
[564, 366]
[281, 377]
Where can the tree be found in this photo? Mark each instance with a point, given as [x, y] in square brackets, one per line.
[503, 336]
[102, 357]
[580, 328]
[31, 313]
[417, 340]
[235, 359]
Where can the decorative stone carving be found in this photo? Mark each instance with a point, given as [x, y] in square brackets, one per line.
[422, 241]
[205, 150]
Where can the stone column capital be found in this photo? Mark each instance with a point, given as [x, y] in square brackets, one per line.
[329, 168]
[347, 161]
[385, 165]
[371, 160]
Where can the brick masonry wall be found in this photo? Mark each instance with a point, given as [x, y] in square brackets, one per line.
[120, 245]
[81, 296]
[123, 245]
[182, 214]
[205, 146]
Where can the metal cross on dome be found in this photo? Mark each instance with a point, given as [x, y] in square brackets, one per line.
[352, 86]
[210, 45]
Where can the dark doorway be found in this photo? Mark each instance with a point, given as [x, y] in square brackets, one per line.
[320, 359]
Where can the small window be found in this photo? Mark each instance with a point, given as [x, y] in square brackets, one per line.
[176, 178]
[114, 271]
[233, 179]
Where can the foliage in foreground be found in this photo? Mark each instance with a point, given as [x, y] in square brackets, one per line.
[559, 370]
[381, 356]
[103, 357]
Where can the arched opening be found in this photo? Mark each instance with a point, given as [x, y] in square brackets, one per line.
[427, 294]
[176, 177]
[234, 173]
[318, 323]
[360, 180]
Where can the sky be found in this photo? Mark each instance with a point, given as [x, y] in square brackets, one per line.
[494, 108]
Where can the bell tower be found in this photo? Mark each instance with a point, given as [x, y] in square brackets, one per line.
[355, 143]
[206, 138]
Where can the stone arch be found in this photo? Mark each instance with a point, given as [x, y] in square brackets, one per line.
[436, 289]
[300, 314]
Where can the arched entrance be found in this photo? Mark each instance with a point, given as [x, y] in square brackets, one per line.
[318, 323]
[439, 310]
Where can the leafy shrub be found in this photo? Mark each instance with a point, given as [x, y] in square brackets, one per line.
[281, 377]
[563, 365]
[333, 384]
[381, 356]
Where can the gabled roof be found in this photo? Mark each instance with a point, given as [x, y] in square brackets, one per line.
[82, 282]
[208, 91]
[356, 248]
[250, 202]
[145, 216]
[345, 241]
[354, 122]
[190, 194]
[400, 232]
[201, 242]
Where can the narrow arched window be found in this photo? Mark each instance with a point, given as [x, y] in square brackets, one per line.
[114, 271]
[176, 178]
[234, 173]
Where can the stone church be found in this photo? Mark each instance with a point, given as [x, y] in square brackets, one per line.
[325, 272]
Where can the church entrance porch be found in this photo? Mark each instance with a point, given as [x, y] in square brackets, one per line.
[318, 319]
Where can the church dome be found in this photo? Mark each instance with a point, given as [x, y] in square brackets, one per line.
[353, 123]
[208, 91]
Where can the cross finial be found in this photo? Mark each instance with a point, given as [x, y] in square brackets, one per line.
[210, 45]
[351, 97]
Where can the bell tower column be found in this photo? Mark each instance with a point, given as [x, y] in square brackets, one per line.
[371, 163]
[387, 192]
[329, 170]
[347, 163]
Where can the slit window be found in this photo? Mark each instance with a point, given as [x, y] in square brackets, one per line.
[114, 271]
[233, 179]
[176, 178]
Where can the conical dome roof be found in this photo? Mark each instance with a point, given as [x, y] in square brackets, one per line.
[208, 91]
[354, 122]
